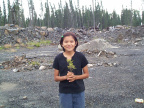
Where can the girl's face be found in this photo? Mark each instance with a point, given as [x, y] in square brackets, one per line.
[69, 43]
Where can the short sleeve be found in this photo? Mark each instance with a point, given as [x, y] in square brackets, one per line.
[55, 63]
[84, 61]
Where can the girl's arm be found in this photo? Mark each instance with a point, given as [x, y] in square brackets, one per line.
[57, 77]
[77, 77]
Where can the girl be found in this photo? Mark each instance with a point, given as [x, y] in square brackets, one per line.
[71, 86]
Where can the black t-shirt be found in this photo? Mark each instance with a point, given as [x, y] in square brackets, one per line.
[60, 63]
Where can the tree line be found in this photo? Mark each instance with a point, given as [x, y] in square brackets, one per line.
[68, 15]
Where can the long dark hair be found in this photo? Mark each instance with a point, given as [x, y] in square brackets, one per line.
[69, 34]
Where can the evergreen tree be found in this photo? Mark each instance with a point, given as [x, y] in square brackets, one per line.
[78, 15]
[88, 16]
[105, 20]
[22, 19]
[16, 12]
[98, 14]
[93, 15]
[136, 18]
[72, 14]
[4, 11]
[114, 19]
[59, 16]
[68, 16]
[47, 15]
[9, 12]
[41, 14]
[66, 19]
[142, 17]
[1, 20]
[52, 19]
[31, 12]
[126, 17]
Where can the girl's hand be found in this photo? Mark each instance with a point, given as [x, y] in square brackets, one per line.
[70, 76]
[69, 73]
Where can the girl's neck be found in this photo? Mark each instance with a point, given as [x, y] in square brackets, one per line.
[69, 54]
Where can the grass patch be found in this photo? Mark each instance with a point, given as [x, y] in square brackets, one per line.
[1, 47]
[17, 47]
[45, 42]
[30, 45]
[37, 44]
[34, 63]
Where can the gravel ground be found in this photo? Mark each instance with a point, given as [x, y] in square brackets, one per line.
[107, 87]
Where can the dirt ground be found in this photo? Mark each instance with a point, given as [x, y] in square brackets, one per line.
[107, 87]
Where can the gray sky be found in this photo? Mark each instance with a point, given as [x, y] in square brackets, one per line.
[108, 5]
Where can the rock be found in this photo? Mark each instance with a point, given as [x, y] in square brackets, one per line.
[44, 28]
[16, 45]
[42, 67]
[96, 44]
[110, 64]
[119, 27]
[2, 27]
[90, 77]
[59, 47]
[105, 64]
[13, 31]
[16, 70]
[138, 39]
[43, 33]
[19, 40]
[6, 32]
[115, 64]
[119, 38]
[99, 64]
[50, 66]
[36, 66]
[1, 66]
[50, 30]
[111, 54]
[57, 29]
[111, 28]
[25, 97]
[7, 46]
[15, 62]
[90, 65]
[27, 68]
[16, 26]
[2, 106]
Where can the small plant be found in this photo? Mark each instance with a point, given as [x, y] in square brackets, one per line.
[37, 44]
[34, 63]
[1, 47]
[70, 65]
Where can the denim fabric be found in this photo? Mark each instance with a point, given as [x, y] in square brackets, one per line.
[76, 100]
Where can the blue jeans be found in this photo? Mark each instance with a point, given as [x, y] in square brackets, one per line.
[76, 100]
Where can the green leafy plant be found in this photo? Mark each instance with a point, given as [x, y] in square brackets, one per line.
[37, 44]
[70, 65]
[33, 63]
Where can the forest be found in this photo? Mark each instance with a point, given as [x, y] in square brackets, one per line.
[68, 15]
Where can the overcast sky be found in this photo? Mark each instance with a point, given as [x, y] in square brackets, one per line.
[108, 5]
